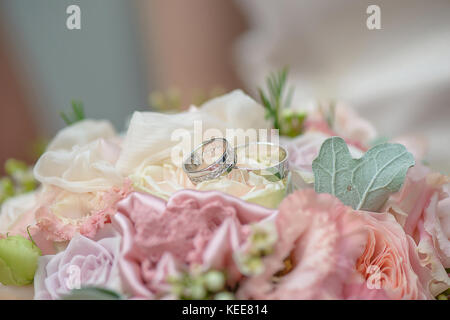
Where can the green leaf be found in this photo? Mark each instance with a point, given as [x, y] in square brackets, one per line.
[365, 183]
[93, 293]
[76, 115]
[274, 100]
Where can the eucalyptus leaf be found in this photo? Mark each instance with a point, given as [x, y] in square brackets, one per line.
[365, 183]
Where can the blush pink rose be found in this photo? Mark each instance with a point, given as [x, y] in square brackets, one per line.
[192, 228]
[344, 122]
[327, 250]
[84, 263]
[422, 207]
[390, 260]
[417, 145]
[321, 239]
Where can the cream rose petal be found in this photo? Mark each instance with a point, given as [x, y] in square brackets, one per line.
[163, 180]
[149, 137]
[13, 210]
[82, 169]
[81, 133]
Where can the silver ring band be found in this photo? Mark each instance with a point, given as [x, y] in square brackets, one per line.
[228, 160]
[194, 166]
[272, 172]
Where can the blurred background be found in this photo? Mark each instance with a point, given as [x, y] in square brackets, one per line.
[128, 52]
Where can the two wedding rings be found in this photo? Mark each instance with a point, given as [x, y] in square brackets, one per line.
[216, 157]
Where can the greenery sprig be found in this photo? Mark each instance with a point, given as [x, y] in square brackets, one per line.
[274, 100]
[277, 102]
[77, 113]
[19, 180]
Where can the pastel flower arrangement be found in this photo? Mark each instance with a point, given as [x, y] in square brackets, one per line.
[114, 218]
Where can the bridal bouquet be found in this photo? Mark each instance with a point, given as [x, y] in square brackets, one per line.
[104, 215]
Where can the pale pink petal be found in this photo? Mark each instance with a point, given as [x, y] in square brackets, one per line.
[390, 260]
[323, 240]
[87, 220]
[422, 206]
[85, 262]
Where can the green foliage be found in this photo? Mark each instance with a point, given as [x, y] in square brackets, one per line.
[365, 183]
[76, 114]
[277, 103]
[444, 295]
[92, 293]
[19, 180]
[273, 101]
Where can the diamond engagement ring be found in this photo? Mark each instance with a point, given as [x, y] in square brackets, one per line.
[215, 157]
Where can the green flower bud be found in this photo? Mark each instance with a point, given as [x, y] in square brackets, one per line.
[196, 292]
[214, 281]
[13, 166]
[18, 260]
[224, 296]
[263, 238]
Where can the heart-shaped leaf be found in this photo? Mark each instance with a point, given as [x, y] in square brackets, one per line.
[365, 183]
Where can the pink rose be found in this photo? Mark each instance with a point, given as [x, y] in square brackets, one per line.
[390, 260]
[417, 145]
[327, 250]
[319, 242]
[422, 207]
[192, 228]
[344, 122]
[85, 262]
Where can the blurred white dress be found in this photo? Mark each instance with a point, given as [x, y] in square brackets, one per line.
[398, 77]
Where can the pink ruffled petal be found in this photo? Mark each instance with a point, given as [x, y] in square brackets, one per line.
[323, 240]
[57, 228]
[192, 228]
